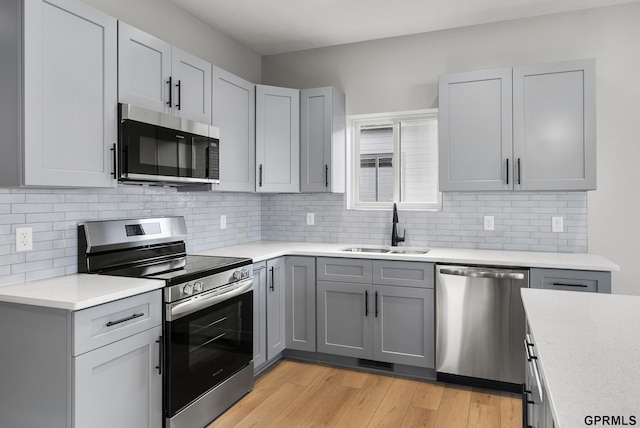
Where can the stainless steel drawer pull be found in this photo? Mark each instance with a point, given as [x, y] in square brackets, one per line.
[132, 317]
[562, 284]
[482, 274]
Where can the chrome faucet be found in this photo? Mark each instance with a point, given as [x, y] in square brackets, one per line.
[395, 238]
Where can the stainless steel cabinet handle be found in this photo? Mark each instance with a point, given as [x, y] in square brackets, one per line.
[179, 86]
[160, 355]
[132, 317]
[170, 102]
[507, 170]
[519, 169]
[366, 303]
[562, 284]
[326, 176]
[260, 182]
[482, 274]
[272, 277]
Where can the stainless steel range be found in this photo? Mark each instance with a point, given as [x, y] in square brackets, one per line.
[208, 311]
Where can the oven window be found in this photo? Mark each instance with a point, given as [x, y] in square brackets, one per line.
[207, 347]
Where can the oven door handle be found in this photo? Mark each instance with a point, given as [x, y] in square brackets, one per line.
[203, 301]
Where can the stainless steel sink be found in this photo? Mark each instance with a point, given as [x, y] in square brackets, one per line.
[392, 250]
[365, 250]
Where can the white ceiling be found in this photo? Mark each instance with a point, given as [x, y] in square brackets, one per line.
[277, 26]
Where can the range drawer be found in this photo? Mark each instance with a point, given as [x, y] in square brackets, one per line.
[572, 280]
[103, 324]
[401, 273]
[344, 270]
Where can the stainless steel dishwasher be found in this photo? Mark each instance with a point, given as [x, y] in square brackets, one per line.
[480, 325]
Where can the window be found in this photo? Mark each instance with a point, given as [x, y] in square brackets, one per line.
[394, 157]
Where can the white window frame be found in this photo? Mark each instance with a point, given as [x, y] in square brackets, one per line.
[353, 161]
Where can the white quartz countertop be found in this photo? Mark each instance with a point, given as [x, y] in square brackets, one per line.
[78, 291]
[588, 348]
[264, 250]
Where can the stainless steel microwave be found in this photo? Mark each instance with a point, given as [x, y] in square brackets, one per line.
[158, 148]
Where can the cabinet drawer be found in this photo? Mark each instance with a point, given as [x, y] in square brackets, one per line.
[572, 280]
[100, 325]
[344, 270]
[407, 274]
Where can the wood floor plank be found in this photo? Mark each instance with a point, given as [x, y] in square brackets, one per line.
[329, 410]
[393, 408]
[483, 416]
[428, 395]
[270, 409]
[420, 417]
[362, 406]
[454, 408]
[510, 411]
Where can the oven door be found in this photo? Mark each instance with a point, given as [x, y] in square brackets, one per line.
[206, 346]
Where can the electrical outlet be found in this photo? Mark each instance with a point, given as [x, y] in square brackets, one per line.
[223, 221]
[557, 224]
[24, 239]
[488, 222]
[310, 219]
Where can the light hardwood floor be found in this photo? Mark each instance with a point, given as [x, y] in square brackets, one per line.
[297, 394]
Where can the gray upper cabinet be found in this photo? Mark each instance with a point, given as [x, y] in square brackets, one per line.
[474, 128]
[277, 139]
[554, 126]
[59, 90]
[524, 128]
[155, 75]
[322, 140]
[234, 114]
[300, 303]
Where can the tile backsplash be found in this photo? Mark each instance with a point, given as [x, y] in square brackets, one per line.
[522, 221]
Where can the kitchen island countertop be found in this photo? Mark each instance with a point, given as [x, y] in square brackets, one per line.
[588, 347]
[264, 250]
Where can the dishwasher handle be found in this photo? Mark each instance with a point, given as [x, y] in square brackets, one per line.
[482, 273]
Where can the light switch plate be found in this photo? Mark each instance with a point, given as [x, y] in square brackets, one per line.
[557, 224]
[24, 239]
[223, 221]
[310, 219]
[488, 222]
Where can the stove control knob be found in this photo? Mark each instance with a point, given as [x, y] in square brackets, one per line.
[237, 275]
[244, 272]
[198, 287]
[187, 289]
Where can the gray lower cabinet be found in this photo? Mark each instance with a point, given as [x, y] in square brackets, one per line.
[97, 367]
[524, 128]
[259, 314]
[389, 318]
[268, 311]
[572, 280]
[119, 385]
[300, 303]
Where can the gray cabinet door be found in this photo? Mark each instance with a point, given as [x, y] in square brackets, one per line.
[144, 69]
[277, 139]
[275, 307]
[300, 303]
[234, 109]
[322, 140]
[69, 76]
[119, 385]
[474, 126]
[554, 126]
[259, 314]
[403, 326]
[191, 80]
[344, 319]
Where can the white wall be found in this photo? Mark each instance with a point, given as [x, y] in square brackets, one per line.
[401, 74]
[168, 22]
